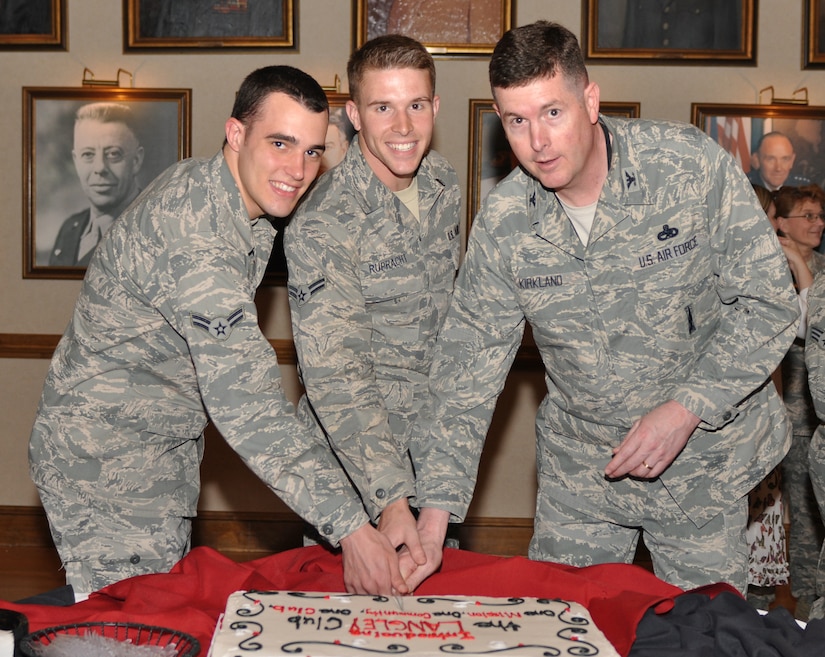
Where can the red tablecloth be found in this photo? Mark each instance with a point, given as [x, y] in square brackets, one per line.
[192, 596]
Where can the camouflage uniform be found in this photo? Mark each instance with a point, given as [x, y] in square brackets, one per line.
[815, 362]
[369, 286]
[682, 293]
[807, 531]
[165, 333]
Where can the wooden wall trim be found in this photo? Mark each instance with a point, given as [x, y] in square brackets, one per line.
[249, 535]
[36, 345]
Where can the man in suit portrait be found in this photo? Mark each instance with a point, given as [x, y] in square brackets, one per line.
[107, 156]
[772, 162]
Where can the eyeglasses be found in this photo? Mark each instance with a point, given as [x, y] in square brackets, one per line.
[810, 216]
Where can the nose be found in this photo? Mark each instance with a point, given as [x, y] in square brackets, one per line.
[100, 163]
[296, 165]
[537, 138]
[403, 124]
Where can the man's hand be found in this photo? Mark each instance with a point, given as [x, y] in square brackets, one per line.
[432, 529]
[398, 525]
[653, 442]
[371, 563]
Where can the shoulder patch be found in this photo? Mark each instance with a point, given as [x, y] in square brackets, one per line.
[302, 293]
[219, 328]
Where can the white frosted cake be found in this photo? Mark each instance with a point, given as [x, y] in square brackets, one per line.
[276, 623]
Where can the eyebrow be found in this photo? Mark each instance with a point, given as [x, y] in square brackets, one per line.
[427, 99]
[290, 139]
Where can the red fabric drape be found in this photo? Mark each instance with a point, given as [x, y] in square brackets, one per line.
[192, 596]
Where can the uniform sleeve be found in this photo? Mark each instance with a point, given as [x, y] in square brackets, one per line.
[332, 332]
[473, 355]
[759, 311]
[212, 307]
[815, 345]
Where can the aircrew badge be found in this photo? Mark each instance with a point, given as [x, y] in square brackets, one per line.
[302, 293]
[219, 328]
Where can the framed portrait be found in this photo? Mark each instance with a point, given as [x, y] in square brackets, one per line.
[33, 25]
[208, 24]
[670, 31]
[339, 135]
[752, 133]
[445, 27]
[87, 153]
[491, 159]
[814, 42]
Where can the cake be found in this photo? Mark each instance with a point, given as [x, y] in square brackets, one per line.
[276, 623]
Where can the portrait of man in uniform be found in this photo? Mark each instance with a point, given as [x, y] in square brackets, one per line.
[677, 30]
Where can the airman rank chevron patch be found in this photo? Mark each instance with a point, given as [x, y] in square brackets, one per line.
[219, 328]
[818, 335]
[302, 293]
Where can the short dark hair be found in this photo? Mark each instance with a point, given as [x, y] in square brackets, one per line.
[536, 51]
[787, 197]
[293, 82]
[389, 51]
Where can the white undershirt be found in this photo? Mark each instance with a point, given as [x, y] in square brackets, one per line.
[581, 218]
[409, 197]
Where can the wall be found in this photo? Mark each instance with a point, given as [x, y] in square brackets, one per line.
[95, 41]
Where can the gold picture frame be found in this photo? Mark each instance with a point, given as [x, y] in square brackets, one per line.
[739, 128]
[490, 156]
[52, 190]
[34, 25]
[435, 23]
[208, 25]
[649, 32]
[814, 42]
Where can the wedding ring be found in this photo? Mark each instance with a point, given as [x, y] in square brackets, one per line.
[649, 467]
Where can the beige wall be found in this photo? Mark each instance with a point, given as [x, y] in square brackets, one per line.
[95, 41]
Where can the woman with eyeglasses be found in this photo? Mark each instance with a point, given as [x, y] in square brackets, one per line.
[800, 221]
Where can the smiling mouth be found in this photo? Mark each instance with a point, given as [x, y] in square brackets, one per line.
[289, 189]
[403, 148]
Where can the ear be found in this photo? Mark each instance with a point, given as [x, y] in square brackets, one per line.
[591, 101]
[436, 105]
[234, 131]
[139, 154]
[354, 115]
[755, 161]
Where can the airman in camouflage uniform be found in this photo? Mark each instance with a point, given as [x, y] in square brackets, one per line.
[658, 328]
[370, 277]
[165, 336]
[806, 527]
[815, 362]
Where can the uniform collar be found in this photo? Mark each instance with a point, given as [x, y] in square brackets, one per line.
[622, 189]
